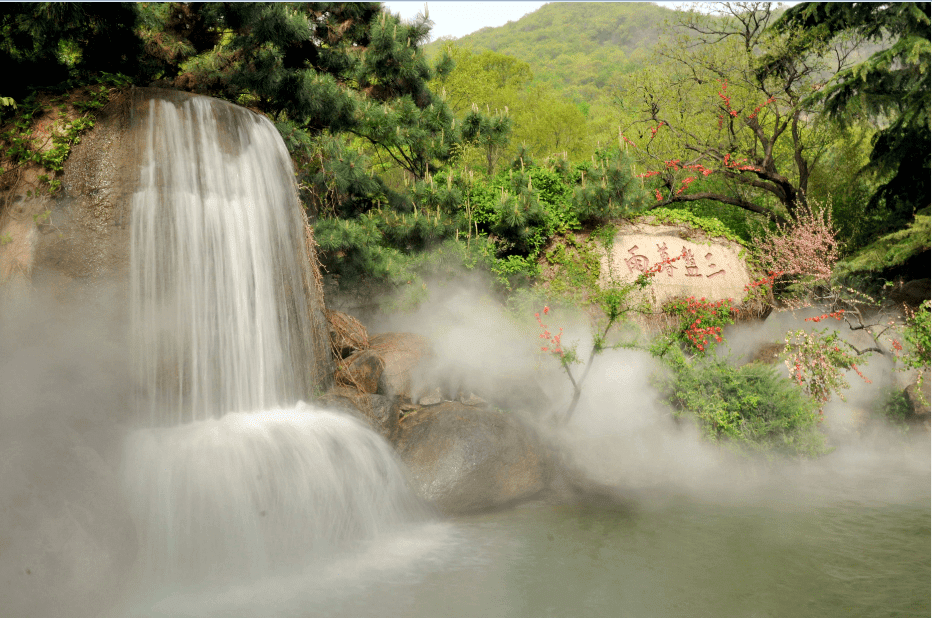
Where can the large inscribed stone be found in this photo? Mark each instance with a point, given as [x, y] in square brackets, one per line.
[713, 270]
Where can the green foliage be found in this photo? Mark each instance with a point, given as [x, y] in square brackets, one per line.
[49, 44]
[892, 85]
[607, 190]
[20, 145]
[918, 335]
[893, 406]
[513, 271]
[576, 268]
[705, 124]
[712, 226]
[817, 361]
[489, 133]
[749, 408]
[486, 80]
[548, 124]
[699, 324]
[890, 250]
[838, 180]
[578, 48]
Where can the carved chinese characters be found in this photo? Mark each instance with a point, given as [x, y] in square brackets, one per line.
[638, 263]
[684, 267]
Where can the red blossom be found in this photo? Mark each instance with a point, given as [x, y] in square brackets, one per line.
[804, 248]
[835, 314]
[553, 340]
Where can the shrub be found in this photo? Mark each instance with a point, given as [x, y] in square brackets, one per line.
[750, 408]
[700, 323]
[804, 250]
[893, 406]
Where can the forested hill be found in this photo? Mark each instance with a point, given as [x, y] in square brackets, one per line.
[576, 46]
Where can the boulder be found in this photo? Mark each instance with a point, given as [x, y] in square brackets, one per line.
[376, 410]
[464, 459]
[699, 266]
[912, 293]
[432, 398]
[402, 354]
[361, 370]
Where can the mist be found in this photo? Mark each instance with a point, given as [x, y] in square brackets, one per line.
[622, 435]
[65, 536]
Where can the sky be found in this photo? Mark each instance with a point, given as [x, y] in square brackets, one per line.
[461, 18]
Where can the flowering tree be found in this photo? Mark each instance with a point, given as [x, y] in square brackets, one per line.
[805, 250]
[709, 125]
[615, 302]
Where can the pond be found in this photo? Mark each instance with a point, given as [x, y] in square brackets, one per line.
[846, 535]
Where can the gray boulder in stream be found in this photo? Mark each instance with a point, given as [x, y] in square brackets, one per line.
[465, 459]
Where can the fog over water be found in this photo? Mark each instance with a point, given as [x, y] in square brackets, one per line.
[238, 499]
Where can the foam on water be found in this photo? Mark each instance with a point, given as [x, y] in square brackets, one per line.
[250, 494]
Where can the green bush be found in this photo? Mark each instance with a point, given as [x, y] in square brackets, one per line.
[893, 406]
[750, 408]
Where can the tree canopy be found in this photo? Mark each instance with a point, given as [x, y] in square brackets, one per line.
[891, 86]
[516, 134]
[45, 44]
[708, 125]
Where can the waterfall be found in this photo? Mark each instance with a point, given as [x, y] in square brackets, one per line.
[219, 311]
[235, 476]
[250, 494]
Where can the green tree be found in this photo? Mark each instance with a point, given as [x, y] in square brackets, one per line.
[45, 44]
[892, 85]
[486, 79]
[334, 67]
[548, 124]
[709, 126]
[490, 133]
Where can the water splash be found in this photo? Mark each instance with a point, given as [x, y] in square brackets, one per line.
[248, 495]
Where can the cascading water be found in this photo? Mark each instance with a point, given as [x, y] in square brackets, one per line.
[235, 477]
[219, 311]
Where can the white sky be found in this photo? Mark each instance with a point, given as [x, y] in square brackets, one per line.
[464, 17]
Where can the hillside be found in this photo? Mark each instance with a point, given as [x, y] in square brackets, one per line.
[578, 47]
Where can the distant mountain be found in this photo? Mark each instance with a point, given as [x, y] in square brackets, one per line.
[579, 47]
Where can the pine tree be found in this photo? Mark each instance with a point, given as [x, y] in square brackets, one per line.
[891, 85]
[45, 44]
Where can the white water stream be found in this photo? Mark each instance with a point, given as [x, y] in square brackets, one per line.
[219, 311]
[235, 480]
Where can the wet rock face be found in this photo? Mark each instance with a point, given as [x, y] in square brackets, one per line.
[362, 369]
[81, 234]
[378, 411]
[465, 459]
